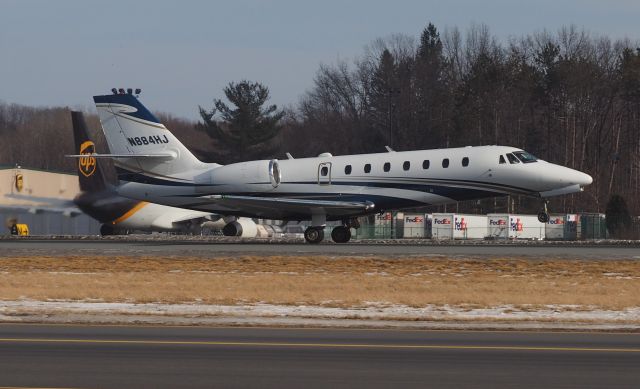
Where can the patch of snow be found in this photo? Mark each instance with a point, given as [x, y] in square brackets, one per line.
[369, 311]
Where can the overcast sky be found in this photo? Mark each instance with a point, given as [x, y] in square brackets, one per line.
[182, 53]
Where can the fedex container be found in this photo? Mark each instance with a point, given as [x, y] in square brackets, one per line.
[442, 226]
[382, 225]
[562, 227]
[414, 225]
[458, 226]
[386, 226]
[508, 226]
[498, 226]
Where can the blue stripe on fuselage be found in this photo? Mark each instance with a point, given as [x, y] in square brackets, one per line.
[446, 189]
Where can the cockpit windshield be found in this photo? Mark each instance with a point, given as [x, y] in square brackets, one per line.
[525, 157]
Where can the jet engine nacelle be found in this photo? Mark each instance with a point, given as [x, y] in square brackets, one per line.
[265, 175]
[242, 226]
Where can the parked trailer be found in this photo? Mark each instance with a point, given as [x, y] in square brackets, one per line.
[509, 226]
[458, 226]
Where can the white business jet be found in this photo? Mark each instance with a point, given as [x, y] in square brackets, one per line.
[154, 166]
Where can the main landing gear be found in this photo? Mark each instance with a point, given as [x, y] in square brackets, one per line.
[543, 215]
[314, 234]
[339, 234]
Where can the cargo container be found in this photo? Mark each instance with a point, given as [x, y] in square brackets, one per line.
[509, 226]
[562, 227]
[414, 225]
[386, 226]
[592, 226]
[458, 226]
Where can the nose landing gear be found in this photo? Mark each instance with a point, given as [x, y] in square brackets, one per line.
[543, 215]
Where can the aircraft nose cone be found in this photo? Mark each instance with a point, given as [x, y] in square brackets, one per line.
[580, 178]
[585, 179]
[569, 176]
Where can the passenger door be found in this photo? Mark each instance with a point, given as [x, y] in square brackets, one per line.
[324, 173]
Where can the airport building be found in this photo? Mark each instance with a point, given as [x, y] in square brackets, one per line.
[44, 201]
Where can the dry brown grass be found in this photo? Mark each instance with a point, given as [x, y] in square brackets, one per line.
[329, 281]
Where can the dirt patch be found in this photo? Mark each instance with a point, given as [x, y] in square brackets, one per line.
[324, 281]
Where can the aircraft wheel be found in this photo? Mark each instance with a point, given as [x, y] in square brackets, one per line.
[543, 217]
[107, 229]
[314, 234]
[341, 234]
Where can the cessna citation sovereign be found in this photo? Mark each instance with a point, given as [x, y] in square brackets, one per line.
[154, 166]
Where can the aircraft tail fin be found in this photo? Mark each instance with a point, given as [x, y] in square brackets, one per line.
[90, 175]
[139, 142]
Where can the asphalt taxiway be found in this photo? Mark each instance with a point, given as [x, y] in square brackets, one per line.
[140, 356]
[173, 247]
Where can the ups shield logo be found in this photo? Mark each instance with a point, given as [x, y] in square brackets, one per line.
[19, 182]
[87, 165]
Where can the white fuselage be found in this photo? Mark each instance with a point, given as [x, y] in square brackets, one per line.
[409, 181]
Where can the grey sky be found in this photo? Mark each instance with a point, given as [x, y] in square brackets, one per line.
[182, 53]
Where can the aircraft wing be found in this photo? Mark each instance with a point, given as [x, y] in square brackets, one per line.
[42, 204]
[291, 206]
[71, 211]
[193, 216]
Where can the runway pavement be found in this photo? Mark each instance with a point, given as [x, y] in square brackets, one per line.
[175, 247]
[158, 357]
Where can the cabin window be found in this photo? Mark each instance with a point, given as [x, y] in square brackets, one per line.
[347, 169]
[512, 158]
[406, 165]
[425, 164]
[324, 171]
[367, 168]
[387, 166]
[502, 159]
[445, 163]
[465, 161]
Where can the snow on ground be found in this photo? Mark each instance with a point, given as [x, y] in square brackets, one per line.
[372, 315]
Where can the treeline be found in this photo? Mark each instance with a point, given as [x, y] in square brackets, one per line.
[568, 97]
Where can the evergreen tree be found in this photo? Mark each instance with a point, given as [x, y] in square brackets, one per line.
[617, 215]
[246, 131]
[430, 89]
[384, 93]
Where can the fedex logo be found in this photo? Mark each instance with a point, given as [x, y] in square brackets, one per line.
[556, 221]
[499, 222]
[416, 219]
[386, 216]
[460, 225]
[516, 225]
[441, 221]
